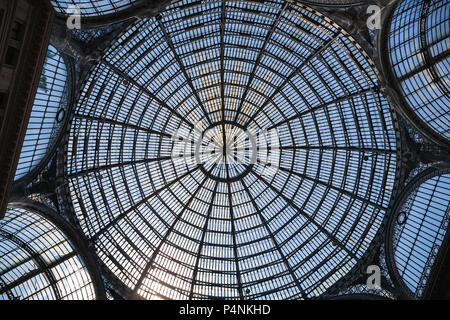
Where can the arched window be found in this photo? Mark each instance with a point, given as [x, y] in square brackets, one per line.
[418, 228]
[420, 58]
[49, 112]
[38, 261]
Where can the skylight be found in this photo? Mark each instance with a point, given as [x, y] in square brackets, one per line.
[38, 261]
[290, 224]
[48, 112]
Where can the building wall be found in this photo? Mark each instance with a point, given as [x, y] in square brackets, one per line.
[25, 28]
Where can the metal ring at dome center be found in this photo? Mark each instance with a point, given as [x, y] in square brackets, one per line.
[225, 151]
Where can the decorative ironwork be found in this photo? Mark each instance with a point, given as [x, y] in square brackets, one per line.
[40, 261]
[419, 56]
[411, 248]
[48, 115]
[170, 229]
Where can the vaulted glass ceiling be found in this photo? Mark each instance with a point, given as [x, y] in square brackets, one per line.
[38, 262]
[419, 45]
[288, 225]
[49, 110]
[419, 231]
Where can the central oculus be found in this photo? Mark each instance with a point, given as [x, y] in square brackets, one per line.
[226, 151]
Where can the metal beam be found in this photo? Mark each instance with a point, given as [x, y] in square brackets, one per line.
[113, 166]
[33, 273]
[233, 234]
[318, 51]
[347, 193]
[337, 148]
[427, 54]
[275, 242]
[36, 256]
[202, 242]
[166, 236]
[258, 59]
[323, 106]
[121, 124]
[222, 72]
[141, 202]
[304, 214]
[182, 67]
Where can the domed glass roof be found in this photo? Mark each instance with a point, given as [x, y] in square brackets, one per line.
[38, 261]
[232, 150]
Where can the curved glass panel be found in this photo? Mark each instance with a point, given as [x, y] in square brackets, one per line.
[48, 111]
[333, 2]
[38, 262]
[419, 52]
[93, 8]
[419, 231]
[277, 81]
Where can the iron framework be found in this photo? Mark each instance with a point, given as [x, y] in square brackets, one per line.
[99, 13]
[418, 64]
[43, 258]
[167, 229]
[307, 178]
[416, 229]
[49, 115]
[334, 3]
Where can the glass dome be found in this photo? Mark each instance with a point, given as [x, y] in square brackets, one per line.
[235, 150]
[38, 262]
[420, 58]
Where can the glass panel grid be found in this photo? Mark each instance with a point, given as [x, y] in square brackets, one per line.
[38, 262]
[419, 45]
[416, 242]
[169, 228]
[48, 112]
